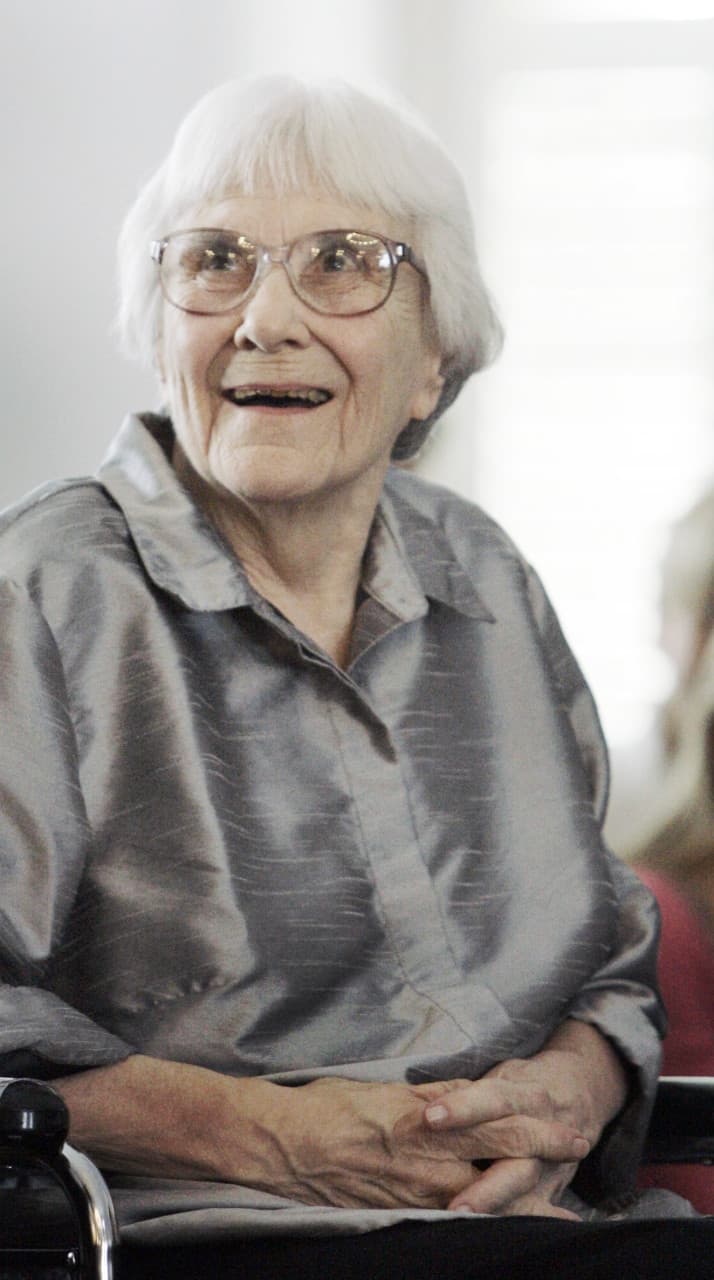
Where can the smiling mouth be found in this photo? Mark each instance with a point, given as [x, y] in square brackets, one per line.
[277, 397]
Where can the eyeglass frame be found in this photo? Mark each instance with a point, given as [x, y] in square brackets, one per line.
[279, 255]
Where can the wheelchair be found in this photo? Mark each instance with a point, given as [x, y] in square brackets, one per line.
[36, 1161]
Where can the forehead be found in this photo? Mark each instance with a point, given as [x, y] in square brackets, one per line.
[276, 219]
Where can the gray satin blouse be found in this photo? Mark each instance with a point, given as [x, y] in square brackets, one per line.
[218, 847]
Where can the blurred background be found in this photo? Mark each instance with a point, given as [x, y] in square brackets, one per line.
[585, 129]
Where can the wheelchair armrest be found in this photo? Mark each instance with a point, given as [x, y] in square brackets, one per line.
[681, 1128]
[33, 1127]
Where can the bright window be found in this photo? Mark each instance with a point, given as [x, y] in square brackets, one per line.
[596, 428]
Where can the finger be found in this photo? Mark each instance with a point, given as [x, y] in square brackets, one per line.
[534, 1207]
[496, 1188]
[432, 1090]
[512, 1187]
[521, 1119]
[528, 1206]
[514, 1136]
[487, 1099]
[524, 1137]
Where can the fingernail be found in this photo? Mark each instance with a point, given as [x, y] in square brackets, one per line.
[436, 1114]
[581, 1147]
[462, 1208]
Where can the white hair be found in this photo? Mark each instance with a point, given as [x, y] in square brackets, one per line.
[284, 134]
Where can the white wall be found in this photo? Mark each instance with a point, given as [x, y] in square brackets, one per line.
[90, 92]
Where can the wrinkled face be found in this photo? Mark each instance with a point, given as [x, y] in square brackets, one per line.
[274, 402]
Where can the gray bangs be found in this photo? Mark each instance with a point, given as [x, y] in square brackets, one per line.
[284, 136]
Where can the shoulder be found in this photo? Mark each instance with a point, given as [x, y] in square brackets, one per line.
[468, 528]
[471, 539]
[66, 522]
[455, 537]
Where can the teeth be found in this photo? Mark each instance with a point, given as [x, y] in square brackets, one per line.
[312, 395]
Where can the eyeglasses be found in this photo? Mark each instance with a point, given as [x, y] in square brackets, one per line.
[339, 273]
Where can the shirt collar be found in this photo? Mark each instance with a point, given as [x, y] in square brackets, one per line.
[427, 554]
[409, 559]
[181, 550]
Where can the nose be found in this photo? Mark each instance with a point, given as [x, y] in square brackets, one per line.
[272, 316]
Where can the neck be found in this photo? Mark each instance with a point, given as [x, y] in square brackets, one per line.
[305, 556]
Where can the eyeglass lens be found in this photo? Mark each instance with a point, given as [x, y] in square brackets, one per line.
[337, 272]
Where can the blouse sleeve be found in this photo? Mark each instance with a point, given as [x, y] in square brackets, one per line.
[621, 999]
[44, 842]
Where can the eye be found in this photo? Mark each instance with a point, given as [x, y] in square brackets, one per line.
[338, 258]
[353, 253]
[214, 264]
[217, 258]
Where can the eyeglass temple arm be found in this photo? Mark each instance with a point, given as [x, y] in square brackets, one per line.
[405, 253]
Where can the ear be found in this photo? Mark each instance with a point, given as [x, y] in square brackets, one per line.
[431, 385]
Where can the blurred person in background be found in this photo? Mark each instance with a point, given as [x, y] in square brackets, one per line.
[686, 618]
[670, 832]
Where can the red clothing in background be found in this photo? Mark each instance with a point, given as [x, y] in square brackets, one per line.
[686, 976]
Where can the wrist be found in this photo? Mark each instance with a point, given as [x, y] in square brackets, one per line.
[170, 1119]
[598, 1072]
[581, 1072]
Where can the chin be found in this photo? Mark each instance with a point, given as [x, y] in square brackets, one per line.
[264, 480]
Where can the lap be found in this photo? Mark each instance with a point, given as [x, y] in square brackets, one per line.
[485, 1249]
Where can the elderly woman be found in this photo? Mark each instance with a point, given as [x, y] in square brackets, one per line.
[304, 896]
